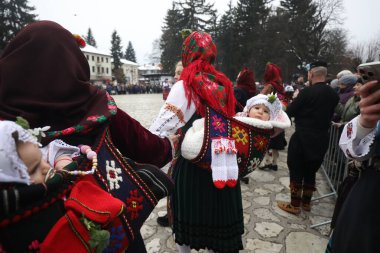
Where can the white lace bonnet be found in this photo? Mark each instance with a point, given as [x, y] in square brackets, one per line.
[12, 168]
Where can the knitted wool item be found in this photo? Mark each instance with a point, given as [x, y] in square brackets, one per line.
[218, 163]
[231, 162]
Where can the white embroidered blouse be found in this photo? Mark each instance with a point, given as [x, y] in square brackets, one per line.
[174, 113]
[356, 141]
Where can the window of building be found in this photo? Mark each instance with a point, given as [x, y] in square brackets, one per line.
[98, 69]
[93, 69]
[102, 69]
[107, 60]
[87, 57]
[93, 59]
[97, 58]
[107, 68]
[102, 59]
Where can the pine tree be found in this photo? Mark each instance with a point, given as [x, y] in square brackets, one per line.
[171, 40]
[90, 38]
[198, 15]
[227, 43]
[305, 30]
[116, 52]
[130, 53]
[251, 19]
[14, 15]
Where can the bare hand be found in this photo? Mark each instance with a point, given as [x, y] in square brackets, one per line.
[369, 104]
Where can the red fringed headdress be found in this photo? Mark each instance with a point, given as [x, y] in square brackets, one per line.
[202, 82]
[273, 76]
[246, 81]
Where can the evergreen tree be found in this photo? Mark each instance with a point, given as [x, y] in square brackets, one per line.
[227, 43]
[130, 53]
[14, 15]
[90, 38]
[198, 15]
[116, 52]
[251, 19]
[305, 30]
[171, 40]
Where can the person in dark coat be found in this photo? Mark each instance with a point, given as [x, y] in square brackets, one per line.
[313, 110]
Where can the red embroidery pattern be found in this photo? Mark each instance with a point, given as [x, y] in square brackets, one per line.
[349, 130]
[260, 142]
[134, 204]
[176, 111]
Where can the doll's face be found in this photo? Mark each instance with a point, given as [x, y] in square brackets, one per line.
[31, 155]
[259, 112]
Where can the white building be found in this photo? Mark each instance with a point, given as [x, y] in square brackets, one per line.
[152, 74]
[130, 70]
[100, 63]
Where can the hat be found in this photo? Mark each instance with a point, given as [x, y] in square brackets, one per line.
[278, 117]
[334, 83]
[343, 73]
[348, 80]
[12, 168]
[289, 88]
[315, 64]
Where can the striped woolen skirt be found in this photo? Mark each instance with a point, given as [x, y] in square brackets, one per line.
[204, 216]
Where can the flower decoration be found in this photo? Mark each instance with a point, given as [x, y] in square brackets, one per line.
[38, 133]
[80, 41]
[185, 32]
[272, 97]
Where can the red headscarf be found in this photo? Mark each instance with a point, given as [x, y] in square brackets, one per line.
[203, 84]
[246, 81]
[273, 76]
[44, 77]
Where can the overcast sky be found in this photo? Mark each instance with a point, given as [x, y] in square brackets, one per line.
[140, 21]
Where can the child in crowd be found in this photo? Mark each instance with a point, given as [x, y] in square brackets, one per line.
[261, 111]
[23, 161]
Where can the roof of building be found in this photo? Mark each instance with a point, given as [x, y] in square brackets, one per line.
[94, 50]
[150, 67]
[124, 61]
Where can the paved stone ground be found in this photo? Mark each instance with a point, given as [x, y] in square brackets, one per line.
[267, 228]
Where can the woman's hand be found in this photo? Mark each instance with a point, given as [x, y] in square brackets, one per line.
[369, 104]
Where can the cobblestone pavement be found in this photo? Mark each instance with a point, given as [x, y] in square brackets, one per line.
[267, 228]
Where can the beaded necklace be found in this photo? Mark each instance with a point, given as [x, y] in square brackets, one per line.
[90, 154]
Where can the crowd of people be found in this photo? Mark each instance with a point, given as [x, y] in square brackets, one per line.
[78, 174]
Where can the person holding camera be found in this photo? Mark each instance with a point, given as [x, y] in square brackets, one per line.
[357, 226]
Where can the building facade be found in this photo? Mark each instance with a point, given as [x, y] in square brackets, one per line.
[130, 70]
[100, 64]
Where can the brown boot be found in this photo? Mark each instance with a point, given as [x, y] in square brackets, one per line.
[307, 194]
[295, 196]
[287, 207]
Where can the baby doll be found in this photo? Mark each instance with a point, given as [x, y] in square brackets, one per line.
[261, 111]
[22, 160]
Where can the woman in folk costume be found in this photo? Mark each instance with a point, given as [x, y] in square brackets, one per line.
[203, 216]
[273, 84]
[245, 88]
[101, 200]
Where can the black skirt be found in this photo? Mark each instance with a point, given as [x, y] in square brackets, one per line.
[204, 216]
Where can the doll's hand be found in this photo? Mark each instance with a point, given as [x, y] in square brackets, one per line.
[61, 162]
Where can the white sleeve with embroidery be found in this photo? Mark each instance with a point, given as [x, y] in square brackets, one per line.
[356, 141]
[174, 113]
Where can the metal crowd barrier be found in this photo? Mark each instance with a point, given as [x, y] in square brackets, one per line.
[334, 168]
